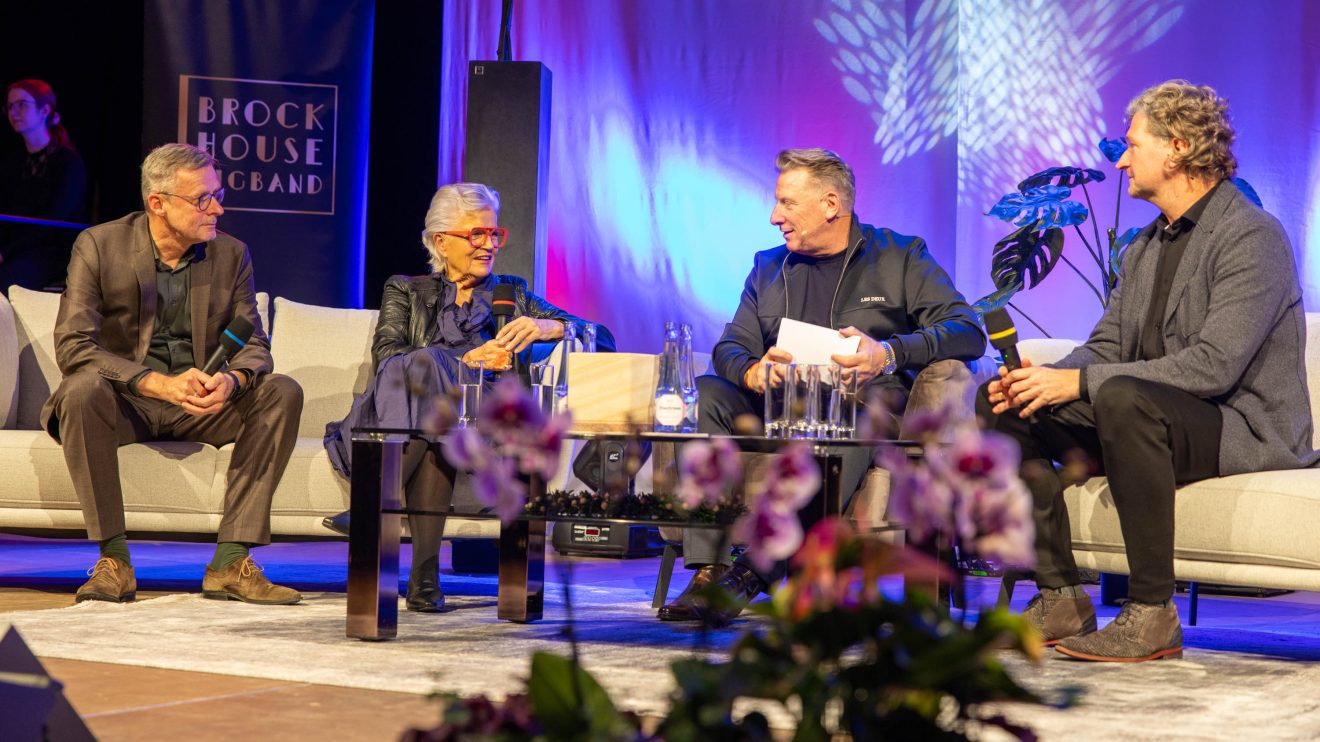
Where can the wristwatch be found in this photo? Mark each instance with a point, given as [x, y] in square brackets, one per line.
[891, 360]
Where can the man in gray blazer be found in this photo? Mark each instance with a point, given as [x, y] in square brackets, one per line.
[147, 300]
[1194, 371]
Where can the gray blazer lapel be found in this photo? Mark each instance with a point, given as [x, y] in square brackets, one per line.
[201, 302]
[1138, 287]
[1196, 247]
[144, 265]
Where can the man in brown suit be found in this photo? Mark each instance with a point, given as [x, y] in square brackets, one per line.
[148, 297]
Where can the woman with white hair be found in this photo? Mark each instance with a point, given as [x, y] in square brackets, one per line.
[428, 326]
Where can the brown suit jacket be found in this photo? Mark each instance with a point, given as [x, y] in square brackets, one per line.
[108, 310]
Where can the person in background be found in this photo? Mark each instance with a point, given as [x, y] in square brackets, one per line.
[429, 326]
[46, 180]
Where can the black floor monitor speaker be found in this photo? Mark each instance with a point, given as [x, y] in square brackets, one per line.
[508, 149]
[604, 539]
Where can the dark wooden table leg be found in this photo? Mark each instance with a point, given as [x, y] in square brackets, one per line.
[831, 483]
[522, 571]
[373, 538]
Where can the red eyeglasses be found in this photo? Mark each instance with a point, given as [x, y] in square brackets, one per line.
[482, 236]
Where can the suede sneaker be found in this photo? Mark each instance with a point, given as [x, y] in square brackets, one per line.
[243, 581]
[1056, 616]
[112, 581]
[1141, 632]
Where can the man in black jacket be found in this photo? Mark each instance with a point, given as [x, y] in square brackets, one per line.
[836, 272]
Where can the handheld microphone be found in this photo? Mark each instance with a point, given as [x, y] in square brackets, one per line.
[232, 340]
[502, 305]
[1003, 336]
[504, 308]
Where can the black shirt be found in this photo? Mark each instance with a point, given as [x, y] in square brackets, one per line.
[812, 284]
[1173, 243]
[171, 348]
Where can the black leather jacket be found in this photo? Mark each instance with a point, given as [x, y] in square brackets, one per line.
[408, 314]
[890, 288]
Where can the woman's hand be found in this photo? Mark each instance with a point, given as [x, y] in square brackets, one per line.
[524, 331]
[496, 357]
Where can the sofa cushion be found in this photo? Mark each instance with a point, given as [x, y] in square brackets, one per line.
[328, 352]
[38, 374]
[1262, 518]
[8, 365]
[170, 477]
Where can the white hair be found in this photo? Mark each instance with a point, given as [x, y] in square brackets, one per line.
[448, 207]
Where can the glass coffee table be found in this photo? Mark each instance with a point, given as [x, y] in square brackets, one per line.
[376, 510]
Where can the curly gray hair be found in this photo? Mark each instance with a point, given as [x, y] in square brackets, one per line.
[448, 206]
[162, 166]
[1197, 115]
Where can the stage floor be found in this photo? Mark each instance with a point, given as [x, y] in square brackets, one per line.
[123, 701]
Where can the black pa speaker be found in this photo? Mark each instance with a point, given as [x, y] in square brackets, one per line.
[508, 149]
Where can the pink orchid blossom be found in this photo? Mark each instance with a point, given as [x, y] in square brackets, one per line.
[707, 470]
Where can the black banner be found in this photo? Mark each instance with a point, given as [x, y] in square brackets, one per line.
[279, 93]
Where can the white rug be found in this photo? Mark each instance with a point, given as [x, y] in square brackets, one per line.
[1233, 684]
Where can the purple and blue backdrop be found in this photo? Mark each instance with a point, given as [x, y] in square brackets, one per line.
[667, 117]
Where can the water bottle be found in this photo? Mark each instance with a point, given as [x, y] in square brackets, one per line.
[687, 378]
[668, 390]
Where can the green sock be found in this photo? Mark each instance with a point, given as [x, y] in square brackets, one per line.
[117, 547]
[228, 552]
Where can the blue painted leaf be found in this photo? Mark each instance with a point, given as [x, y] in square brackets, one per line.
[1113, 149]
[1248, 191]
[1066, 177]
[998, 300]
[1117, 249]
[1026, 256]
[1044, 203]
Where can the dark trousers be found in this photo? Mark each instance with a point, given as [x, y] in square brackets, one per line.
[93, 420]
[722, 403]
[1147, 438]
[428, 485]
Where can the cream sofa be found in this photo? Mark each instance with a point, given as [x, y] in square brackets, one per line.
[1253, 530]
[178, 488]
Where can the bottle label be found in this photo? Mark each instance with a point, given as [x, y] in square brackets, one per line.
[669, 409]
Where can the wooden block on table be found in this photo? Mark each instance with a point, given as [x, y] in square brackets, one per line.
[612, 392]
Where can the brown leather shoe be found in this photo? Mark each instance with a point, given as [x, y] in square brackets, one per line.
[741, 585]
[243, 581]
[1056, 616]
[1141, 632]
[112, 581]
[684, 607]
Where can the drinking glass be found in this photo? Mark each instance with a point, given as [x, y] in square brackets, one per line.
[779, 401]
[469, 381]
[543, 386]
[841, 408]
[804, 409]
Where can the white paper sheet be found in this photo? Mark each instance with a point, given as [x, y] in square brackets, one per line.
[812, 343]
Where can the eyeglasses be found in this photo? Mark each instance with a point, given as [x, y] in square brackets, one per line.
[481, 236]
[202, 202]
